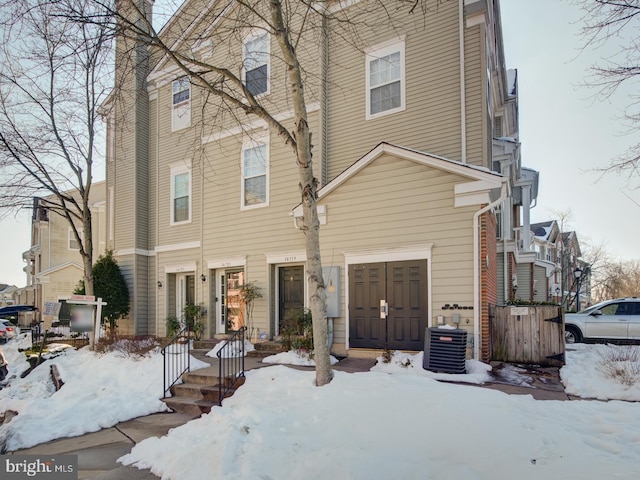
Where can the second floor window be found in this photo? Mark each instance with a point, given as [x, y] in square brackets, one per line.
[255, 174]
[385, 79]
[181, 103]
[255, 56]
[180, 195]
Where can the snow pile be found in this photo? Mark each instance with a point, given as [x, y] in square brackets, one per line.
[294, 357]
[375, 425]
[100, 390]
[605, 372]
[233, 349]
[394, 422]
[407, 363]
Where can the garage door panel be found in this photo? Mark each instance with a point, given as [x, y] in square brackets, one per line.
[403, 285]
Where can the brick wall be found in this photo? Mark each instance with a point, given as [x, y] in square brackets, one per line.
[488, 279]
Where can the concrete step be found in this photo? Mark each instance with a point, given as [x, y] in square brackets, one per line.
[199, 392]
[269, 347]
[195, 390]
[207, 376]
[203, 376]
[189, 405]
[196, 399]
[204, 344]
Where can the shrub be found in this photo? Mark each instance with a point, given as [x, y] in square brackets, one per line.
[297, 331]
[127, 345]
[194, 319]
[110, 285]
[173, 326]
[621, 364]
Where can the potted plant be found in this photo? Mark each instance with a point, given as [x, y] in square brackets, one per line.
[248, 293]
[194, 319]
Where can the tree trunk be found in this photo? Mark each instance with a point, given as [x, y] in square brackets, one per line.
[308, 188]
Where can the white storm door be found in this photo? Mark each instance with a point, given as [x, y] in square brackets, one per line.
[185, 292]
[221, 295]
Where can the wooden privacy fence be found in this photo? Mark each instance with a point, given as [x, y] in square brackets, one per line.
[531, 335]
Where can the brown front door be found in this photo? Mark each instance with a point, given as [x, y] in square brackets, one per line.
[403, 286]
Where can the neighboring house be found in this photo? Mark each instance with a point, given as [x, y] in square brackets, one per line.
[7, 294]
[572, 268]
[54, 265]
[547, 241]
[415, 193]
[558, 255]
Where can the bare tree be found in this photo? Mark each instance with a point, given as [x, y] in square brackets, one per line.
[563, 218]
[617, 279]
[54, 74]
[597, 258]
[615, 22]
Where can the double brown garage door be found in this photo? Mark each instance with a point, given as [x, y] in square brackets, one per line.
[400, 285]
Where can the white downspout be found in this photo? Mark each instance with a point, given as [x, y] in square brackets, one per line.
[476, 268]
[507, 279]
[463, 94]
[526, 213]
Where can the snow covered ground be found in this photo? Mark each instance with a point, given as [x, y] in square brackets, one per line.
[397, 421]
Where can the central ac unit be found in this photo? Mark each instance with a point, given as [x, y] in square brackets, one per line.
[445, 350]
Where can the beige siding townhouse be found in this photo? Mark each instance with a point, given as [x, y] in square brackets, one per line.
[53, 262]
[416, 148]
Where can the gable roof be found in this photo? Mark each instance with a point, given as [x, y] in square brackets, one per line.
[58, 268]
[542, 230]
[160, 68]
[481, 179]
[569, 238]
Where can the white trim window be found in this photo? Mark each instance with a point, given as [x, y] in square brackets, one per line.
[385, 79]
[255, 173]
[180, 195]
[255, 63]
[181, 103]
[73, 244]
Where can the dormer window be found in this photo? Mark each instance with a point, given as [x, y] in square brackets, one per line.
[181, 103]
[255, 60]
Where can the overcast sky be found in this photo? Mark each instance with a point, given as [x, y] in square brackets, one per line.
[565, 135]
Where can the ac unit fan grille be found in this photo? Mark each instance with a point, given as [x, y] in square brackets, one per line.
[445, 350]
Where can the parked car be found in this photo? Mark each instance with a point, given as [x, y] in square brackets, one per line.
[9, 329]
[617, 319]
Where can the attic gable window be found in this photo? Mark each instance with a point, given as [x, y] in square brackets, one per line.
[181, 103]
[385, 79]
[255, 61]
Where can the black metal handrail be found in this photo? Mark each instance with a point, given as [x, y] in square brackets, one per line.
[176, 358]
[230, 363]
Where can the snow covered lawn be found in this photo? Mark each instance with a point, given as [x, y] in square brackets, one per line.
[395, 422]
